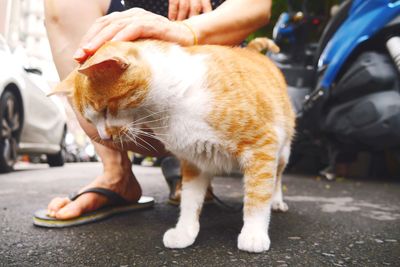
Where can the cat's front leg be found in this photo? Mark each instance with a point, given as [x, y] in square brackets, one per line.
[259, 176]
[194, 187]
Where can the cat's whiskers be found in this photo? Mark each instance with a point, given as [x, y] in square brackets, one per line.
[152, 128]
[136, 135]
[147, 143]
[119, 137]
[154, 135]
[150, 134]
[152, 113]
[140, 131]
[150, 121]
[132, 137]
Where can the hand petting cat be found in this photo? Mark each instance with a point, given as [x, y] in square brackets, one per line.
[226, 25]
[130, 25]
[138, 23]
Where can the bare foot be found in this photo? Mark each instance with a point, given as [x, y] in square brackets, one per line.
[119, 179]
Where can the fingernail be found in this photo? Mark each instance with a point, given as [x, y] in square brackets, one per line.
[79, 54]
[87, 47]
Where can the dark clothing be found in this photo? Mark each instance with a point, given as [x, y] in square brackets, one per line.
[155, 6]
[159, 7]
[115, 5]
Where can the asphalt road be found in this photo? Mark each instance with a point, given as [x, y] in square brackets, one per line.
[341, 223]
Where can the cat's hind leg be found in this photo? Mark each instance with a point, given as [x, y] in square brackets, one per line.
[277, 199]
[260, 168]
[194, 187]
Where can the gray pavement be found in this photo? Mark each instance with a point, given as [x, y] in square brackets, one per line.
[341, 223]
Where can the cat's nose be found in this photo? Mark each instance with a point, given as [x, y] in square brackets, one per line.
[103, 133]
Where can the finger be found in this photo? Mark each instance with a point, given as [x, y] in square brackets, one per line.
[151, 26]
[100, 24]
[195, 8]
[206, 6]
[129, 33]
[184, 9]
[105, 21]
[173, 9]
[103, 36]
[80, 56]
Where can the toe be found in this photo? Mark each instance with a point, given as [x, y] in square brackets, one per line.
[56, 204]
[85, 203]
[71, 210]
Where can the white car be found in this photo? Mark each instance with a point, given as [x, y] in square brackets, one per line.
[30, 122]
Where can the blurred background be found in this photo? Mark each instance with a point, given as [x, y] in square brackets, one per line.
[297, 27]
[22, 30]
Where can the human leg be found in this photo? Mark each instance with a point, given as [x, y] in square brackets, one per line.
[66, 23]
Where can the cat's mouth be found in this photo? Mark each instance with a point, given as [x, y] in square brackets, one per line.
[105, 133]
[124, 134]
[112, 134]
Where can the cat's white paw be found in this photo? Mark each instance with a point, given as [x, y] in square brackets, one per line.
[279, 206]
[253, 241]
[179, 238]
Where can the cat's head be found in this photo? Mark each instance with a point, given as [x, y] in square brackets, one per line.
[109, 87]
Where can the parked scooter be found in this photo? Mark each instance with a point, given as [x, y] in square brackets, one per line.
[345, 88]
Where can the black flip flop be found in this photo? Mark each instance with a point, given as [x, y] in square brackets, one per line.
[116, 205]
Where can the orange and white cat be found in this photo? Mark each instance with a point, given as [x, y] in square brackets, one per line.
[216, 108]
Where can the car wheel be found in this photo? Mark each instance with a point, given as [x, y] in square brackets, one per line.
[10, 118]
[57, 160]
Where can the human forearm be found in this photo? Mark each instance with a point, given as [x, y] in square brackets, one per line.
[229, 24]
[232, 22]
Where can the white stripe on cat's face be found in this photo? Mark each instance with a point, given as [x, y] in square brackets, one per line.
[98, 119]
[104, 120]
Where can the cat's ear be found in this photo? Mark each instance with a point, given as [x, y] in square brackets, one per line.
[65, 87]
[112, 64]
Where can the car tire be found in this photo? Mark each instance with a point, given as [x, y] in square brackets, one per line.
[10, 130]
[58, 160]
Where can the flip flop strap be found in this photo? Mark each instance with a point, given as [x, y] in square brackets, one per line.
[114, 198]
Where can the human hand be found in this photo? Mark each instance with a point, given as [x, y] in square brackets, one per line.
[130, 25]
[183, 9]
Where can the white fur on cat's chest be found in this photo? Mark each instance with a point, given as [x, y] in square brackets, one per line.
[181, 90]
[195, 141]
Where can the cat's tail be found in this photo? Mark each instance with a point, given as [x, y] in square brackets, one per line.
[262, 43]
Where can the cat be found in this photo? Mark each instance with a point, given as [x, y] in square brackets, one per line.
[215, 107]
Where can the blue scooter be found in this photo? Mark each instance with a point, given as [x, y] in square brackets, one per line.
[346, 87]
